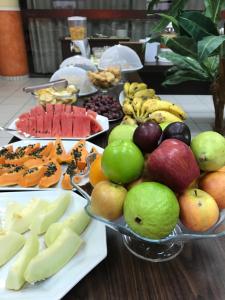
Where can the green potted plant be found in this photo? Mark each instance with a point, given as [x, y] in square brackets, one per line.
[197, 50]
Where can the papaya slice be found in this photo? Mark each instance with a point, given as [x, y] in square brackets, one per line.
[50, 260]
[16, 158]
[59, 152]
[79, 153]
[43, 151]
[70, 171]
[6, 168]
[32, 176]
[36, 162]
[12, 177]
[51, 175]
[29, 148]
[3, 152]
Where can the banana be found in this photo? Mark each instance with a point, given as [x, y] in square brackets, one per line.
[152, 105]
[137, 104]
[160, 116]
[145, 94]
[128, 120]
[128, 109]
[135, 87]
[126, 88]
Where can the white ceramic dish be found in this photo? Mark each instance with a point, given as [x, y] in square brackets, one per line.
[92, 253]
[103, 121]
[68, 146]
[121, 97]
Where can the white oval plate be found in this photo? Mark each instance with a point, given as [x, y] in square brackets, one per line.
[103, 121]
[57, 286]
[68, 146]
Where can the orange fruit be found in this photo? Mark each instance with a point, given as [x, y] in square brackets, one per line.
[213, 183]
[96, 173]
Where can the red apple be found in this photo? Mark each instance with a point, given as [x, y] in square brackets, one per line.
[174, 165]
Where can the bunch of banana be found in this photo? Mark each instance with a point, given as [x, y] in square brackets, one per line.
[141, 110]
[130, 89]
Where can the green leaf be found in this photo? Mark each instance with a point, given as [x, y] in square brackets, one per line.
[152, 4]
[208, 45]
[181, 45]
[197, 25]
[212, 64]
[182, 76]
[185, 63]
[213, 9]
[175, 8]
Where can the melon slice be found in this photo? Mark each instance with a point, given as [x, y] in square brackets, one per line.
[50, 260]
[10, 243]
[20, 220]
[15, 279]
[51, 214]
[77, 222]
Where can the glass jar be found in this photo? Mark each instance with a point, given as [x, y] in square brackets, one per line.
[77, 28]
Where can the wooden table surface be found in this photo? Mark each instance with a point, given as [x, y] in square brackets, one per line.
[198, 272]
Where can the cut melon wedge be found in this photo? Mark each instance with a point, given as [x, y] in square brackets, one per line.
[15, 279]
[53, 212]
[10, 243]
[20, 221]
[50, 260]
[78, 221]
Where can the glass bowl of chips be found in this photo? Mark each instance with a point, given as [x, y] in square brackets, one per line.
[105, 79]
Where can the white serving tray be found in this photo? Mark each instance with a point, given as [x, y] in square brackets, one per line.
[91, 254]
[103, 121]
[67, 145]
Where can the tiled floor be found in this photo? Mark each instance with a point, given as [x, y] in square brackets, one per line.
[14, 101]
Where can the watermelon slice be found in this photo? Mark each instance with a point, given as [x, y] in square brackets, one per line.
[67, 124]
[95, 126]
[56, 125]
[79, 111]
[91, 113]
[81, 126]
[40, 125]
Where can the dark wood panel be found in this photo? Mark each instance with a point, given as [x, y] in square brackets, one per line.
[91, 14]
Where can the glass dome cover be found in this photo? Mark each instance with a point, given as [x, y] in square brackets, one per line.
[120, 55]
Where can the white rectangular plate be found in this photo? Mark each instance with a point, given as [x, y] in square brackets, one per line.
[91, 254]
[68, 146]
[103, 121]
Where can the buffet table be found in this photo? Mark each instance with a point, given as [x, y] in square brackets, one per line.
[198, 272]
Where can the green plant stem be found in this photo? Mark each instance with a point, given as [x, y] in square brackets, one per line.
[218, 93]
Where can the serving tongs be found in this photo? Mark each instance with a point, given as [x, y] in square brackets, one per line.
[56, 84]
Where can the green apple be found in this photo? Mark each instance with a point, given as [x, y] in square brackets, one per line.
[209, 150]
[107, 200]
[151, 209]
[163, 125]
[122, 161]
[122, 132]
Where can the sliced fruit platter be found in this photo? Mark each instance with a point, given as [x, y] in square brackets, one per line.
[59, 120]
[48, 238]
[43, 164]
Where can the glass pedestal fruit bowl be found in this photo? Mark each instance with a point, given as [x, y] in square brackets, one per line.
[150, 249]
